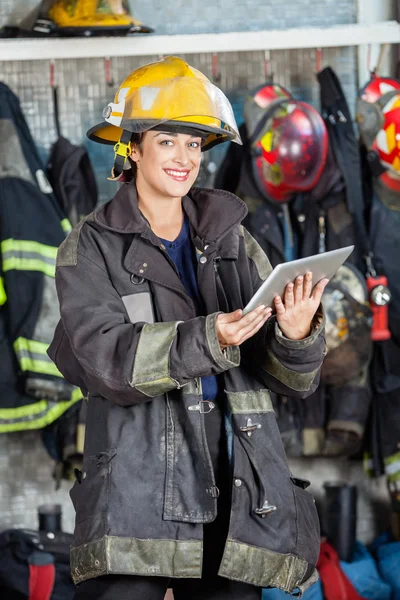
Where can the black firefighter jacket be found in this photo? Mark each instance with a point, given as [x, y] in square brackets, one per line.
[33, 393]
[148, 484]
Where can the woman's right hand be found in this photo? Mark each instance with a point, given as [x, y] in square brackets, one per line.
[233, 328]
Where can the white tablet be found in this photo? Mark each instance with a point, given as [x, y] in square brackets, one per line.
[322, 266]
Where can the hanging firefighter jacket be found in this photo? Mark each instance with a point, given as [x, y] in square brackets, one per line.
[333, 419]
[33, 392]
[384, 456]
[71, 175]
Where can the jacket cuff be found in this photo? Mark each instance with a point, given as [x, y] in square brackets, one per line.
[317, 325]
[226, 358]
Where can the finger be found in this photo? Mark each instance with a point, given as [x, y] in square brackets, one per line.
[307, 286]
[319, 290]
[251, 316]
[263, 316]
[298, 289]
[255, 330]
[289, 297]
[279, 306]
[230, 317]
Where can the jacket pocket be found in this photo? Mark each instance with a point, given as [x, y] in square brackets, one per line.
[90, 493]
[307, 523]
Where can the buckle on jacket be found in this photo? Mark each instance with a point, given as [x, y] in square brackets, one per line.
[203, 410]
[250, 427]
[265, 509]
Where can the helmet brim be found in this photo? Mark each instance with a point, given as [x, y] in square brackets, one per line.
[104, 133]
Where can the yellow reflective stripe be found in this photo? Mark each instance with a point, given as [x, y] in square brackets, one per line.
[51, 415]
[368, 464]
[11, 245]
[32, 356]
[39, 366]
[3, 295]
[392, 467]
[30, 346]
[27, 264]
[66, 225]
[26, 255]
[23, 411]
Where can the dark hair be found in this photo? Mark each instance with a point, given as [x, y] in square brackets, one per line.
[136, 140]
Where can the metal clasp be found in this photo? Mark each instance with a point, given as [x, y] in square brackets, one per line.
[136, 280]
[265, 509]
[370, 267]
[250, 427]
[199, 407]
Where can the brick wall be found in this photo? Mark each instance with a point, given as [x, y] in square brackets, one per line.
[25, 469]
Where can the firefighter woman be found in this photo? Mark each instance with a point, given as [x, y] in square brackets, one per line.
[184, 482]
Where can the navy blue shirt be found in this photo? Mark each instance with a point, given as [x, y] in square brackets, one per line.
[183, 254]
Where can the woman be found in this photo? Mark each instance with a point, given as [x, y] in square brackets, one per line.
[185, 482]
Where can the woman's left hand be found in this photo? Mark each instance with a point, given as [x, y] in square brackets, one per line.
[295, 313]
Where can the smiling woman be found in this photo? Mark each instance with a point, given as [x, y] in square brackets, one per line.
[151, 289]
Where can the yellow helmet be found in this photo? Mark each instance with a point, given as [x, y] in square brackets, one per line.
[94, 16]
[168, 92]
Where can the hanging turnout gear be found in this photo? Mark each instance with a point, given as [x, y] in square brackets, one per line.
[287, 140]
[33, 391]
[166, 94]
[378, 118]
[331, 421]
[71, 175]
[80, 18]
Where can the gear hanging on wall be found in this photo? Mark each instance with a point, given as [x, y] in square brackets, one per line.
[72, 18]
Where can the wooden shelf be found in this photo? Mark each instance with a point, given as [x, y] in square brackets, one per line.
[387, 32]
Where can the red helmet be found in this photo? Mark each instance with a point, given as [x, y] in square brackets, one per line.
[289, 147]
[378, 117]
[377, 87]
[259, 101]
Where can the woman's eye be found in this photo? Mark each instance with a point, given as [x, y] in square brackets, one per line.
[166, 142]
[194, 145]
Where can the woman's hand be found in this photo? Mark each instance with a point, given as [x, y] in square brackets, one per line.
[233, 329]
[295, 313]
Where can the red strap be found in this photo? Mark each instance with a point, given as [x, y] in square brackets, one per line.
[41, 581]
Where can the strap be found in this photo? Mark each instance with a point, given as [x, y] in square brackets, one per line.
[56, 110]
[338, 121]
[122, 149]
[261, 123]
[42, 575]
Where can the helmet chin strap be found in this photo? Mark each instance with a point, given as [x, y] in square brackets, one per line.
[123, 150]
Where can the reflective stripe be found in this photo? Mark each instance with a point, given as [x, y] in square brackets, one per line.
[66, 225]
[3, 295]
[23, 255]
[151, 374]
[250, 402]
[368, 464]
[37, 415]
[301, 382]
[32, 356]
[256, 254]
[392, 467]
[11, 245]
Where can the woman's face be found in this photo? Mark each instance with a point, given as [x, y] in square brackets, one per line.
[167, 163]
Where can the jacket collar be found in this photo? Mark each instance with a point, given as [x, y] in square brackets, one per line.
[213, 214]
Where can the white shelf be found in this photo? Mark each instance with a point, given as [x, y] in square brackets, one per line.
[143, 45]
